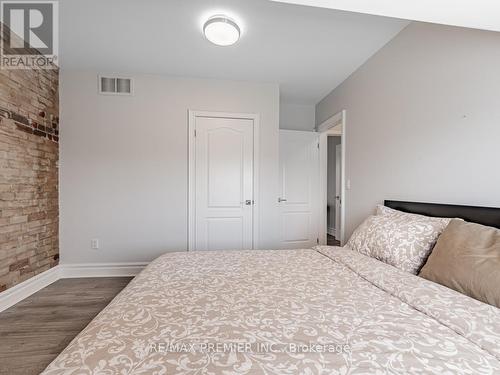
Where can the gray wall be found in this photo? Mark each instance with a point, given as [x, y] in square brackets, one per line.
[331, 189]
[124, 164]
[423, 120]
[297, 116]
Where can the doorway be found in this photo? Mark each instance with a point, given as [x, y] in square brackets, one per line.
[222, 181]
[332, 179]
[333, 190]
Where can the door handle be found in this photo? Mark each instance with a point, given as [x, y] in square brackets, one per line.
[248, 202]
[281, 200]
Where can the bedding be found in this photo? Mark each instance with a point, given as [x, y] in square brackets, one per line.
[326, 310]
[467, 259]
[397, 238]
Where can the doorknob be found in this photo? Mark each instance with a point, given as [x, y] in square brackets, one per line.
[248, 202]
[281, 200]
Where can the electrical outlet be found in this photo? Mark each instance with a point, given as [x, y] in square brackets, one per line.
[94, 243]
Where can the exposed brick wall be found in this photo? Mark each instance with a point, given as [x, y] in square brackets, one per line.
[29, 155]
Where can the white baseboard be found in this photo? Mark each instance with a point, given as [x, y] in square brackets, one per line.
[331, 231]
[72, 271]
[25, 289]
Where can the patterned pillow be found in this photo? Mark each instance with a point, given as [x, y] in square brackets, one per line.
[400, 239]
[383, 210]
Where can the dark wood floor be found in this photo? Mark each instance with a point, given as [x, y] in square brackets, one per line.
[331, 241]
[36, 330]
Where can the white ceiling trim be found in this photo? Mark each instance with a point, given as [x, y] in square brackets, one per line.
[477, 14]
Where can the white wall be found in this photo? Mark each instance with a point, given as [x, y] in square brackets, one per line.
[423, 120]
[123, 173]
[297, 116]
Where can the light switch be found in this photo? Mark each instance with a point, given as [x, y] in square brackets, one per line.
[94, 243]
[348, 185]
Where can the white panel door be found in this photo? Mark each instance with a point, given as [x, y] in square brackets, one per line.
[223, 183]
[299, 180]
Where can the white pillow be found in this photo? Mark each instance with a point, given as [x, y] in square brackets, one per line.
[397, 238]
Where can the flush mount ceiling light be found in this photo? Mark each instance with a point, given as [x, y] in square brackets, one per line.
[221, 30]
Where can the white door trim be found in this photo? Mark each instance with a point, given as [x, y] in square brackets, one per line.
[192, 172]
[331, 122]
[339, 119]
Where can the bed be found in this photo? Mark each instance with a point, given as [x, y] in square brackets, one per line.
[327, 310]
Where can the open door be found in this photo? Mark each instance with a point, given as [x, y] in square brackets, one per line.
[299, 188]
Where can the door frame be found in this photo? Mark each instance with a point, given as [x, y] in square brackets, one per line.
[192, 115]
[324, 129]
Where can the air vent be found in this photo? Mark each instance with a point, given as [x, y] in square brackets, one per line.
[115, 85]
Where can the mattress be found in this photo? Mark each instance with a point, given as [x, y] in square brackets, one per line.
[327, 310]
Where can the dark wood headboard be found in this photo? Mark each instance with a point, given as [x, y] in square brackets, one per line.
[482, 215]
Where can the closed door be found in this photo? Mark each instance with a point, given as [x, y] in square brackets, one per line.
[223, 183]
[299, 184]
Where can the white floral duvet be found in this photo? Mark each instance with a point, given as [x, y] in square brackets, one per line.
[323, 311]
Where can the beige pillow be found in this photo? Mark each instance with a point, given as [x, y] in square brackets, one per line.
[466, 258]
[400, 239]
[383, 210]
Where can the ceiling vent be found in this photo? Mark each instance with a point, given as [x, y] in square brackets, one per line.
[115, 85]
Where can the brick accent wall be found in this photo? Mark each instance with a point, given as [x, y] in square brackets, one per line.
[29, 155]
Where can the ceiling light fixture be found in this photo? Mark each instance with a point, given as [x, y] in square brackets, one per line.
[221, 30]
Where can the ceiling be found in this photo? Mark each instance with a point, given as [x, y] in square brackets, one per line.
[308, 51]
[477, 14]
